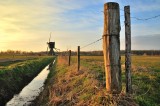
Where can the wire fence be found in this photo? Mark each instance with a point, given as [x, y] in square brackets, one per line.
[143, 19]
[91, 43]
[122, 25]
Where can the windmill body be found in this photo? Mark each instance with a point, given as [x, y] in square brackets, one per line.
[51, 46]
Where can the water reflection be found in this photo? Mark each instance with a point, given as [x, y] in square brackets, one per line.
[32, 90]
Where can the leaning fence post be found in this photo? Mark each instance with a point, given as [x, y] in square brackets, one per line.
[128, 49]
[69, 57]
[111, 47]
[78, 57]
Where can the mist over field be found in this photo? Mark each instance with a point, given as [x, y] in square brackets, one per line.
[149, 42]
[144, 42]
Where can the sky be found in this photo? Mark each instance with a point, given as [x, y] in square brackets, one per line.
[26, 24]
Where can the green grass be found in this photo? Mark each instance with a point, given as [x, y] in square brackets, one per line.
[2, 64]
[6, 60]
[145, 76]
[9, 56]
[87, 86]
[71, 87]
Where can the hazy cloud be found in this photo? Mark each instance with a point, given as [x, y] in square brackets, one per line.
[148, 42]
[145, 42]
[33, 19]
[26, 24]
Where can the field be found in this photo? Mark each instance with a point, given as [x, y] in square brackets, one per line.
[145, 77]
[87, 86]
[6, 60]
[67, 86]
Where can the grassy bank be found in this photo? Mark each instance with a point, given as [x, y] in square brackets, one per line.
[43, 98]
[15, 76]
[69, 87]
[146, 80]
[145, 77]
[9, 56]
[87, 86]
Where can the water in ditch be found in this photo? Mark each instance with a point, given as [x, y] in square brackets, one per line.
[30, 91]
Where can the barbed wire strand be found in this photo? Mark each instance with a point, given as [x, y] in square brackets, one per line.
[91, 43]
[144, 19]
[156, 16]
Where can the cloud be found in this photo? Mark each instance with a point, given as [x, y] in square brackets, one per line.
[149, 42]
[145, 29]
[141, 5]
[144, 36]
[26, 24]
[31, 21]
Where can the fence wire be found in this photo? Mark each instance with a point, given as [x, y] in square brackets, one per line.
[143, 19]
[91, 43]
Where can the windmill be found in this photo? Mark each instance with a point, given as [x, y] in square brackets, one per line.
[51, 46]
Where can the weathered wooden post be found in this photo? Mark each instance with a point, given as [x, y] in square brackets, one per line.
[78, 57]
[128, 49]
[69, 57]
[111, 47]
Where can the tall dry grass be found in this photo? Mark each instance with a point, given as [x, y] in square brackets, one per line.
[82, 88]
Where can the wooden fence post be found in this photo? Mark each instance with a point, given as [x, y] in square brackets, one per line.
[69, 57]
[78, 57]
[111, 47]
[128, 49]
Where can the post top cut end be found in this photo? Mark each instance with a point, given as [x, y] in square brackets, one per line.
[111, 5]
[127, 7]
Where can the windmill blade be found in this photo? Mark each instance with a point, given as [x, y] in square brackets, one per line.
[57, 49]
[47, 50]
[50, 36]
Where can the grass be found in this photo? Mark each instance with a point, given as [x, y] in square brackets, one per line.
[9, 56]
[14, 77]
[7, 63]
[85, 87]
[71, 86]
[145, 77]
[6, 60]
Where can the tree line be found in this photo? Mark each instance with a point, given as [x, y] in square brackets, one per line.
[83, 53]
[100, 53]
